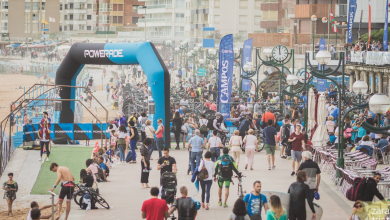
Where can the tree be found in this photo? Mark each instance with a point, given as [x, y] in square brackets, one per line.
[376, 35]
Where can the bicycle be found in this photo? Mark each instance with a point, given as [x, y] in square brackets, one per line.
[81, 189]
[240, 192]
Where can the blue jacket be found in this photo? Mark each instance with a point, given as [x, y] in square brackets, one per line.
[194, 175]
[382, 144]
[366, 147]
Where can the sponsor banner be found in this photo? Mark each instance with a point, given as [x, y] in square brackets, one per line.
[357, 57]
[377, 58]
[386, 26]
[246, 57]
[321, 85]
[225, 79]
[351, 17]
[369, 23]
[360, 23]
[66, 131]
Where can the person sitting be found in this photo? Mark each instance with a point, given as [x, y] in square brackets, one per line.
[358, 212]
[382, 144]
[371, 189]
[86, 178]
[367, 144]
[104, 168]
[34, 205]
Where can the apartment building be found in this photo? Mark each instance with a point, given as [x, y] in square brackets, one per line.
[238, 17]
[77, 16]
[23, 18]
[164, 19]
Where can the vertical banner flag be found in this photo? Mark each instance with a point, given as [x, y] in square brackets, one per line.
[225, 75]
[351, 18]
[369, 23]
[246, 57]
[360, 23]
[386, 26]
[321, 85]
[321, 47]
[332, 21]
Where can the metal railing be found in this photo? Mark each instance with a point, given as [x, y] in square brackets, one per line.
[376, 58]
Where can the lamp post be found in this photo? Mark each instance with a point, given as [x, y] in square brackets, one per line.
[314, 20]
[145, 7]
[295, 32]
[183, 51]
[169, 44]
[324, 21]
[335, 24]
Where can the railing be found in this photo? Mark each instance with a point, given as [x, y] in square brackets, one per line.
[154, 7]
[376, 58]
[307, 10]
[155, 20]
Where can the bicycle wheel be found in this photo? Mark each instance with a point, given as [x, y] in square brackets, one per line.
[261, 143]
[101, 201]
[77, 197]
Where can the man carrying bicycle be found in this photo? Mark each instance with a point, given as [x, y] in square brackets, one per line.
[224, 167]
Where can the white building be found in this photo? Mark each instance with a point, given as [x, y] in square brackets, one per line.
[164, 19]
[226, 16]
[77, 16]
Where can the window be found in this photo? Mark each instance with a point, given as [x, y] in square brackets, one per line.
[115, 7]
[179, 17]
[35, 17]
[71, 17]
[243, 4]
[35, 5]
[27, 6]
[103, 7]
[43, 5]
[257, 20]
[135, 8]
[89, 6]
[60, 8]
[5, 6]
[4, 27]
[179, 31]
[134, 20]
[216, 3]
[243, 19]
[66, 7]
[71, 27]
[89, 17]
[5, 16]
[65, 17]
[243, 33]
[65, 28]
[89, 28]
[120, 19]
[71, 7]
[115, 19]
[217, 19]
[257, 4]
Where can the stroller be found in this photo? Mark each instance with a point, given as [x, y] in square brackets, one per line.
[114, 104]
[168, 190]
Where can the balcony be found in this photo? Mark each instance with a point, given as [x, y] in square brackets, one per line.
[76, 11]
[307, 10]
[76, 21]
[341, 10]
[155, 22]
[168, 8]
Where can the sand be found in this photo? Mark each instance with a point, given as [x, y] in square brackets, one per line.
[21, 214]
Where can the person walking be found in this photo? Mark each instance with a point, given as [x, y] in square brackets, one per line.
[255, 201]
[196, 144]
[133, 141]
[276, 212]
[313, 173]
[145, 162]
[44, 139]
[160, 136]
[204, 131]
[297, 140]
[108, 90]
[177, 123]
[224, 168]
[285, 132]
[239, 211]
[371, 189]
[150, 132]
[205, 184]
[214, 145]
[235, 145]
[251, 146]
[271, 140]
[121, 134]
[185, 129]
[143, 125]
[10, 188]
[154, 208]
[299, 192]
[183, 206]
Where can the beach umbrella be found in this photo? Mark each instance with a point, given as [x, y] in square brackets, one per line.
[320, 136]
[311, 110]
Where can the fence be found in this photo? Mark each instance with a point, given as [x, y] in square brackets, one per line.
[35, 68]
[377, 58]
[5, 153]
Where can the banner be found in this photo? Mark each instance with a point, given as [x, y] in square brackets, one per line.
[386, 26]
[246, 57]
[377, 58]
[369, 24]
[360, 24]
[321, 47]
[225, 75]
[356, 57]
[351, 18]
[321, 85]
[66, 131]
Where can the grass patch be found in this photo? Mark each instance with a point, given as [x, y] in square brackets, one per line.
[72, 157]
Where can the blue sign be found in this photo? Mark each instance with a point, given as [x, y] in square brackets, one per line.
[322, 44]
[351, 18]
[208, 37]
[386, 26]
[201, 72]
[225, 79]
[246, 57]
[45, 29]
[321, 85]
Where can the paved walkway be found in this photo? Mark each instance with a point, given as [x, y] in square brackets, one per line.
[125, 196]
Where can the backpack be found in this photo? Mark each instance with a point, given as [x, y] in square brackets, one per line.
[100, 174]
[356, 192]
[225, 167]
[203, 128]
[136, 135]
[85, 201]
[203, 174]
[285, 132]
[186, 208]
[348, 133]
[168, 183]
[210, 124]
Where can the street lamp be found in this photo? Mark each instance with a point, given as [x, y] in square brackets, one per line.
[292, 80]
[323, 57]
[295, 32]
[268, 52]
[379, 103]
[248, 67]
[324, 21]
[313, 19]
[336, 24]
[360, 87]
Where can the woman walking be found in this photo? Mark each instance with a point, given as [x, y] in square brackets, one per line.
[133, 140]
[235, 144]
[250, 144]
[214, 145]
[145, 162]
[177, 123]
[203, 126]
[159, 136]
[149, 131]
[143, 125]
[11, 187]
[239, 211]
[121, 133]
[276, 212]
[205, 184]
[44, 139]
[185, 129]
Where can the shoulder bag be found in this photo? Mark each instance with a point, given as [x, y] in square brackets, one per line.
[203, 174]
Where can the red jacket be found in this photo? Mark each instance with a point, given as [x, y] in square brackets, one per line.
[46, 132]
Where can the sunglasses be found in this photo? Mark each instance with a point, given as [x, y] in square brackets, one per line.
[358, 206]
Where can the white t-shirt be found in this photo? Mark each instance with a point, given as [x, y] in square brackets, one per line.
[214, 141]
[29, 215]
[122, 134]
[184, 103]
[209, 167]
[203, 121]
[233, 217]
[250, 141]
[139, 68]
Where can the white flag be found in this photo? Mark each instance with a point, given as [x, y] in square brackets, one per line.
[52, 19]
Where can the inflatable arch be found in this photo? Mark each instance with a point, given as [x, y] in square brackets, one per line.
[143, 53]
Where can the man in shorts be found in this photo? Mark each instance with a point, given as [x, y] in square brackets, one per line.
[224, 167]
[297, 146]
[67, 186]
[270, 143]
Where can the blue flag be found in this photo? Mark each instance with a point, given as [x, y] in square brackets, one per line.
[246, 57]
[225, 75]
[351, 17]
[321, 85]
[386, 26]
[322, 44]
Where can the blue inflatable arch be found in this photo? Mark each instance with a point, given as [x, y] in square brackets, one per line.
[143, 53]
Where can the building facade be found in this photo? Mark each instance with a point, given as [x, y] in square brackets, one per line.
[29, 14]
[77, 16]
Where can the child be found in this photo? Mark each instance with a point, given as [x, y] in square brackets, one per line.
[330, 124]
[332, 137]
[360, 132]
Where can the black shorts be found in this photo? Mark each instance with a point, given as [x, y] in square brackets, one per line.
[66, 190]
